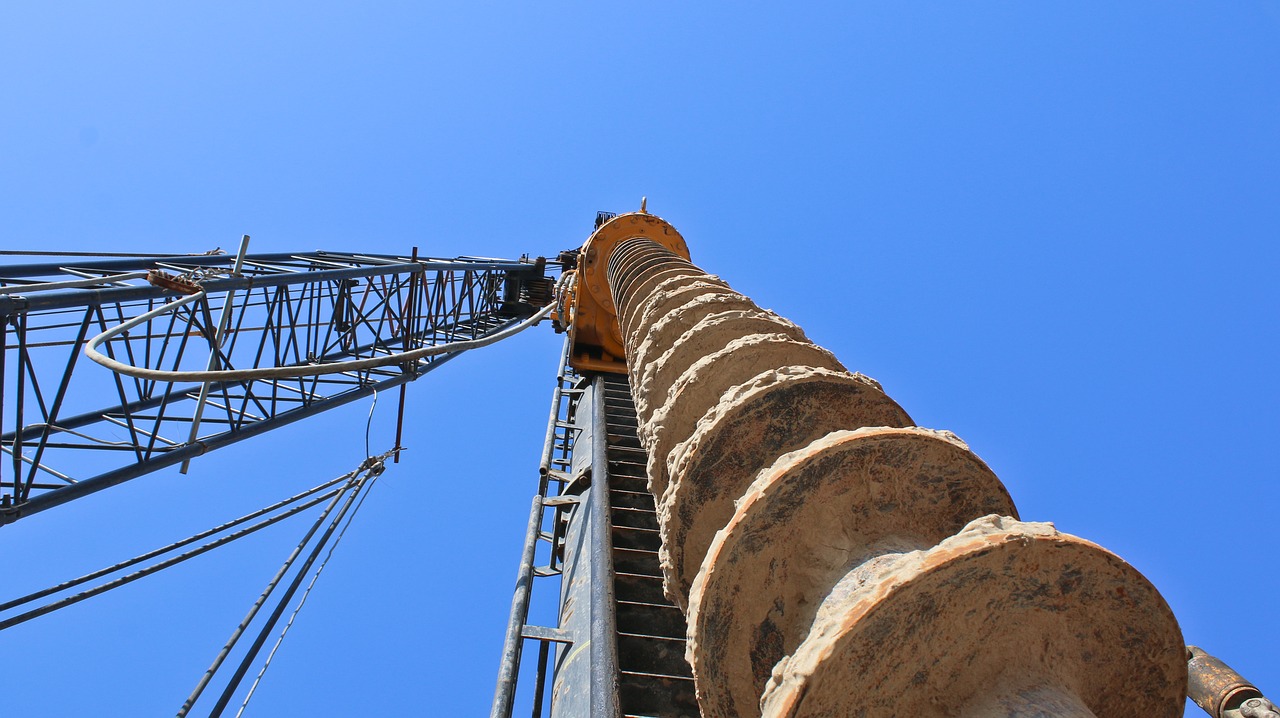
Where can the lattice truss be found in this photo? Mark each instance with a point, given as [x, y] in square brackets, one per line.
[69, 427]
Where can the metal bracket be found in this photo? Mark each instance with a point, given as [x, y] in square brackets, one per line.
[542, 633]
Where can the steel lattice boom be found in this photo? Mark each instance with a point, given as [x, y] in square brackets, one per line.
[69, 428]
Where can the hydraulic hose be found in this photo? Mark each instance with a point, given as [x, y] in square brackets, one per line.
[285, 372]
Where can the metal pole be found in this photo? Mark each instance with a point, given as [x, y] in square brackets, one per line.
[604, 650]
[513, 643]
[406, 328]
[214, 349]
[362, 483]
[544, 652]
[549, 439]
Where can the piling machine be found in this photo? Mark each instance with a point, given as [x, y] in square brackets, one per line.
[730, 520]
[743, 526]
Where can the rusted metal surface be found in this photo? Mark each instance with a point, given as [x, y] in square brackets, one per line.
[172, 282]
[1219, 690]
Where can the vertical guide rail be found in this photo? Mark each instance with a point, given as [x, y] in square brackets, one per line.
[604, 652]
[513, 643]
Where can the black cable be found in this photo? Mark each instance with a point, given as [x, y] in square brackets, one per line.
[227, 693]
[302, 602]
[130, 578]
[171, 547]
[262, 598]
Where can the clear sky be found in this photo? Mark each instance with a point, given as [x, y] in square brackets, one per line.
[1049, 227]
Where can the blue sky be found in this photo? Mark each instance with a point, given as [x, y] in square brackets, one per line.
[1050, 228]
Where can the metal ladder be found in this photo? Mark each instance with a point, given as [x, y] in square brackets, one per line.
[654, 680]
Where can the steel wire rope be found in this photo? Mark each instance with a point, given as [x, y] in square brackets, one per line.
[302, 601]
[91, 350]
[262, 598]
[144, 572]
[316, 576]
[373, 467]
[178, 544]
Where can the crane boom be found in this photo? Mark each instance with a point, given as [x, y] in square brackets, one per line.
[69, 428]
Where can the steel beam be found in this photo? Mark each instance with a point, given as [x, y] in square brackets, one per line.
[292, 309]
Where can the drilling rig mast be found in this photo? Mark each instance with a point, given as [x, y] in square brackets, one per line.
[732, 522]
[742, 526]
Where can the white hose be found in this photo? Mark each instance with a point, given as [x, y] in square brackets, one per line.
[284, 372]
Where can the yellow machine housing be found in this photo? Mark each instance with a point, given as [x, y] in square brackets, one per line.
[594, 333]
